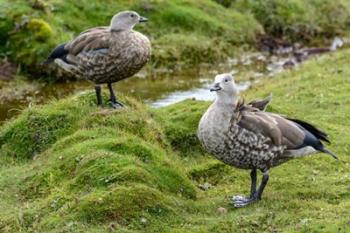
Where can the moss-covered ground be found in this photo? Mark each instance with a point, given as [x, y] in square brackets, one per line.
[69, 166]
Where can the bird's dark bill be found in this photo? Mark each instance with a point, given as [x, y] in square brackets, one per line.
[215, 87]
[143, 20]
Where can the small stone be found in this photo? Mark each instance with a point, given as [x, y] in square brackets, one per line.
[143, 220]
[221, 210]
[113, 226]
[205, 186]
[60, 158]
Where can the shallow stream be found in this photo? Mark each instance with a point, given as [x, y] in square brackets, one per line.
[161, 88]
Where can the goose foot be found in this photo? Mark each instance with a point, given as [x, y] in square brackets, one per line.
[241, 201]
[116, 104]
[255, 195]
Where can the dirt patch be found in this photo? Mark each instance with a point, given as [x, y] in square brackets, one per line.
[7, 71]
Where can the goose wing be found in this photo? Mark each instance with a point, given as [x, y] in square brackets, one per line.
[294, 134]
[90, 40]
[276, 128]
[261, 104]
[94, 30]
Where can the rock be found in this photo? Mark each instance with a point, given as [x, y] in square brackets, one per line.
[113, 226]
[7, 71]
[205, 186]
[221, 210]
[144, 221]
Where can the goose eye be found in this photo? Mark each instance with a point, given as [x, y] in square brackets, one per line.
[132, 15]
[226, 80]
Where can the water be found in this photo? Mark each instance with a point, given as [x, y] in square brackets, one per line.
[202, 93]
[161, 88]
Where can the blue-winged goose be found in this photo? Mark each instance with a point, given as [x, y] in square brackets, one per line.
[246, 137]
[105, 54]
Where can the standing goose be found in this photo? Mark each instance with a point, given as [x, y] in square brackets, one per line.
[246, 137]
[105, 54]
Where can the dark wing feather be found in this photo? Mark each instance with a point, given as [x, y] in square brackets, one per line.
[58, 52]
[261, 104]
[312, 129]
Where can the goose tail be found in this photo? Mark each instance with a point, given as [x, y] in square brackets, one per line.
[58, 52]
[325, 150]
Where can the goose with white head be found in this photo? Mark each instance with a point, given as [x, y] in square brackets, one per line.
[247, 137]
[105, 55]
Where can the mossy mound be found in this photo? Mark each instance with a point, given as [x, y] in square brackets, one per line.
[180, 127]
[94, 164]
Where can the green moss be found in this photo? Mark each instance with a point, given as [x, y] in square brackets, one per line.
[37, 128]
[41, 29]
[122, 203]
[212, 172]
[181, 126]
[194, 49]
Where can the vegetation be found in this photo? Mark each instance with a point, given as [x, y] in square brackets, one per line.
[299, 20]
[69, 166]
[183, 32]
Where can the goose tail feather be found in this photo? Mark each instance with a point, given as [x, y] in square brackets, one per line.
[324, 150]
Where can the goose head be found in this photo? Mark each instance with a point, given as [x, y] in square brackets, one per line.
[126, 20]
[225, 88]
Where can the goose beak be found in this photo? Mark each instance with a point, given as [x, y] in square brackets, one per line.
[142, 19]
[216, 87]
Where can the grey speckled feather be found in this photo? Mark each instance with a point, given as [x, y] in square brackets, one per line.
[247, 137]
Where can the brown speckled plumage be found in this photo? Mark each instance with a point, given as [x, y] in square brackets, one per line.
[106, 54]
[245, 136]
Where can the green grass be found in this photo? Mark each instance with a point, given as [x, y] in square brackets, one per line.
[69, 166]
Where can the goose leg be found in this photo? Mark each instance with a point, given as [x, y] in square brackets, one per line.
[98, 95]
[240, 201]
[113, 99]
[253, 184]
[265, 179]
[240, 198]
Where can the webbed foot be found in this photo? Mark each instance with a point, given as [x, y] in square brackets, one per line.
[241, 201]
[117, 105]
